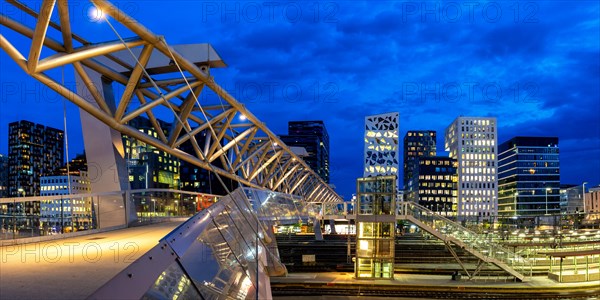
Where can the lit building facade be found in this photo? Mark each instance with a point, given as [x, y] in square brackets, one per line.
[381, 145]
[34, 150]
[592, 203]
[312, 136]
[528, 176]
[195, 179]
[76, 166]
[434, 184]
[149, 167]
[66, 212]
[472, 141]
[3, 176]
[375, 227]
[417, 144]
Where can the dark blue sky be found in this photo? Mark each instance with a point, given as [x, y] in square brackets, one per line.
[533, 65]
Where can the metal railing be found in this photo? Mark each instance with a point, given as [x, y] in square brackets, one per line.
[226, 251]
[40, 216]
[470, 240]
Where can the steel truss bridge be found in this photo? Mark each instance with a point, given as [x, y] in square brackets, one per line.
[159, 79]
[226, 251]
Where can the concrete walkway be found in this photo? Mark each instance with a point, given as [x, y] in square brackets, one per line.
[73, 268]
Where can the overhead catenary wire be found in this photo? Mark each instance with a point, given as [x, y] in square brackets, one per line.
[69, 191]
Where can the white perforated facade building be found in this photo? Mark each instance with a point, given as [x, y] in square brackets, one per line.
[381, 145]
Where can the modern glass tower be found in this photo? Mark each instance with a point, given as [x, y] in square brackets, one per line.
[528, 176]
[472, 141]
[3, 176]
[417, 143]
[34, 150]
[381, 145]
[312, 136]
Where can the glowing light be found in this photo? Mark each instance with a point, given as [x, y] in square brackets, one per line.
[243, 118]
[364, 245]
[95, 14]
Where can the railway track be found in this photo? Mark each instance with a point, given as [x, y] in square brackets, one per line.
[304, 290]
[414, 255]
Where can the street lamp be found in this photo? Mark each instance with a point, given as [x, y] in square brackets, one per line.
[583, 195]
[547, 190]
[154, 206]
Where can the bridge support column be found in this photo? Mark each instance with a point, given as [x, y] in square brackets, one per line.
[107, 168]
[317, 229]
[332, 226]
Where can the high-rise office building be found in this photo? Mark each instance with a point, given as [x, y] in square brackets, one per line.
[472, 141]
[3, 176]
[312, 136]
[528, 176]
[34, 150]
[148, 166]
[417, 143]
[434, 184]
[381, 145]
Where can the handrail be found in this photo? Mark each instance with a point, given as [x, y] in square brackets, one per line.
[480, 245]
[58, 197]
[225, 251]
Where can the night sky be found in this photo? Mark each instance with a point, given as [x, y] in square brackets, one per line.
[533, 65]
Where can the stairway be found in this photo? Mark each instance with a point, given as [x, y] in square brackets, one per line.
[451, 232]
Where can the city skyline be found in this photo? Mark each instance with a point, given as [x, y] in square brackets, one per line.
[188, 186]
[354, 63]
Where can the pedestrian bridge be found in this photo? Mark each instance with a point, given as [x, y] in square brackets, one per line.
[225, 249]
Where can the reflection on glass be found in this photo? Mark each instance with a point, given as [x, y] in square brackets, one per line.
[172, 284]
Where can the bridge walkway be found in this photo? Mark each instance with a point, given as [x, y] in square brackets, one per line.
[73, 268]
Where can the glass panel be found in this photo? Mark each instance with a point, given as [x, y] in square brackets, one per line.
[384, 248]
[365, 248]
[364, 267]
[366, 204]
[172, 284]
